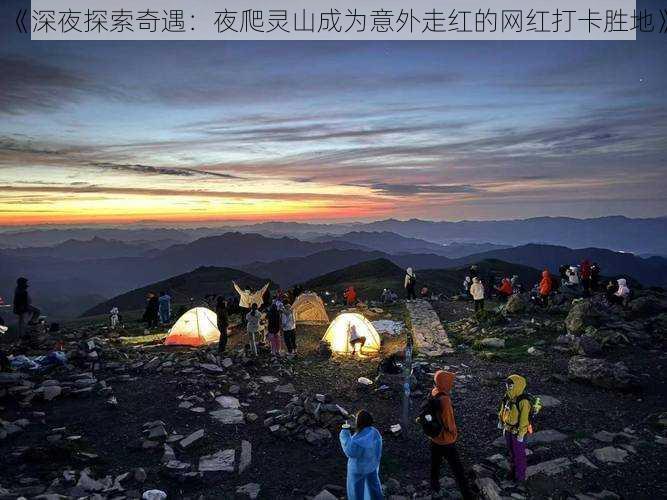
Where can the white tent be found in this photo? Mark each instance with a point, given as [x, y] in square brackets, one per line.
[197, 327]
[338, 333]
[309, 307]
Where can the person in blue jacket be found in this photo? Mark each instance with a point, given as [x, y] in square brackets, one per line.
[363, 450]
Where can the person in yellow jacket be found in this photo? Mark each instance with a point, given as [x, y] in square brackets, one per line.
[514, 420]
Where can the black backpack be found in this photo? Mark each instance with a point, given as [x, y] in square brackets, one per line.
[432, 426]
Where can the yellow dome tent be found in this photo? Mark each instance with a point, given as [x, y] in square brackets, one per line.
[338, 333]
[309, 307]
[197, 327]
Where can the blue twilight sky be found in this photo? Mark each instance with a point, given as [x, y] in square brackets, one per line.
[111, 131]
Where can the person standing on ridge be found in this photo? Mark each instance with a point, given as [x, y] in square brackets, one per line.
[23, 306]
[164, 308]
[252, 327]
[545, 287]
[477, 292]
[409, 284]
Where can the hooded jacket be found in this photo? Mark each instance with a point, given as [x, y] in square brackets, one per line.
[545, 284]
[350, 295]
[443, 387]
[165, 303]
[363, 450]
[585, 269]
[512, 416]
[506, 287]
[410, 278]
[623, 290]
[477, 289]
[573, 275]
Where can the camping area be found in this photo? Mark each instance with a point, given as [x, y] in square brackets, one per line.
[127, 414]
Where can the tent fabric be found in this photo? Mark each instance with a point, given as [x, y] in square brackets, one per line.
[309, 307]
[197, 327]
[338, 333]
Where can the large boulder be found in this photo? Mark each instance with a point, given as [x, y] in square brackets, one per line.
[516, 304]
[602, 373]
[582, 315]
[586, 345]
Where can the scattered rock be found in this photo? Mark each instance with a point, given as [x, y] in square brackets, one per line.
[610, 454]
[220, 461]
[285, 389]
[195, 436]
[228, 416]
[550, 467]
[492, 342]
[251, 490]
[228, 402]
[325, 495]
[602, 373]
[317, 436]
[246, 456]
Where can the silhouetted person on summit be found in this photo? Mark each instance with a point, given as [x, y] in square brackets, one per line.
[23, 306]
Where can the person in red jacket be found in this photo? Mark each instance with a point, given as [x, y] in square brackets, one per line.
[545, 287]
[350, 296]
[505, 290]
[585, 276]
[443, 446]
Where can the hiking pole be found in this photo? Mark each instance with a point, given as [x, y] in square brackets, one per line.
[407, 375]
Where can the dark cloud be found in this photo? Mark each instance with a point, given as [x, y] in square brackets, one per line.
[152, 170]
[415, 189]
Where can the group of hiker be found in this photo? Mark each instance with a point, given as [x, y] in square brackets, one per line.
[581, 279]
[158, 310]
[280, 326]
[363, 448]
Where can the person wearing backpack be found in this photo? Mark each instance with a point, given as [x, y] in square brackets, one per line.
[409, 284]
[514, 420]
[437, 421]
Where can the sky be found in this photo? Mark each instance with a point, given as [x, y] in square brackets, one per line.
[119, 132]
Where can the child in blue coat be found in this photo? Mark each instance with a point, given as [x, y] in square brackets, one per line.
[363, 451]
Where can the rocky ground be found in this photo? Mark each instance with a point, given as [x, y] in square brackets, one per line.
[127, 415]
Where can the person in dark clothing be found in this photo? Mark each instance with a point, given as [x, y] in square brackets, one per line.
[610, 292]
[4, 361]
[151, 315]
[562, 271]
[409, 284]
[392, 364]
[223, 322]
[273, 327]
[595, 276]
[23, 306]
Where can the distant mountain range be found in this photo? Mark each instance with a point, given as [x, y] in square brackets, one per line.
[368, 277]
[73, 276]
[96, 248]
[639, 236]
[194, 285]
